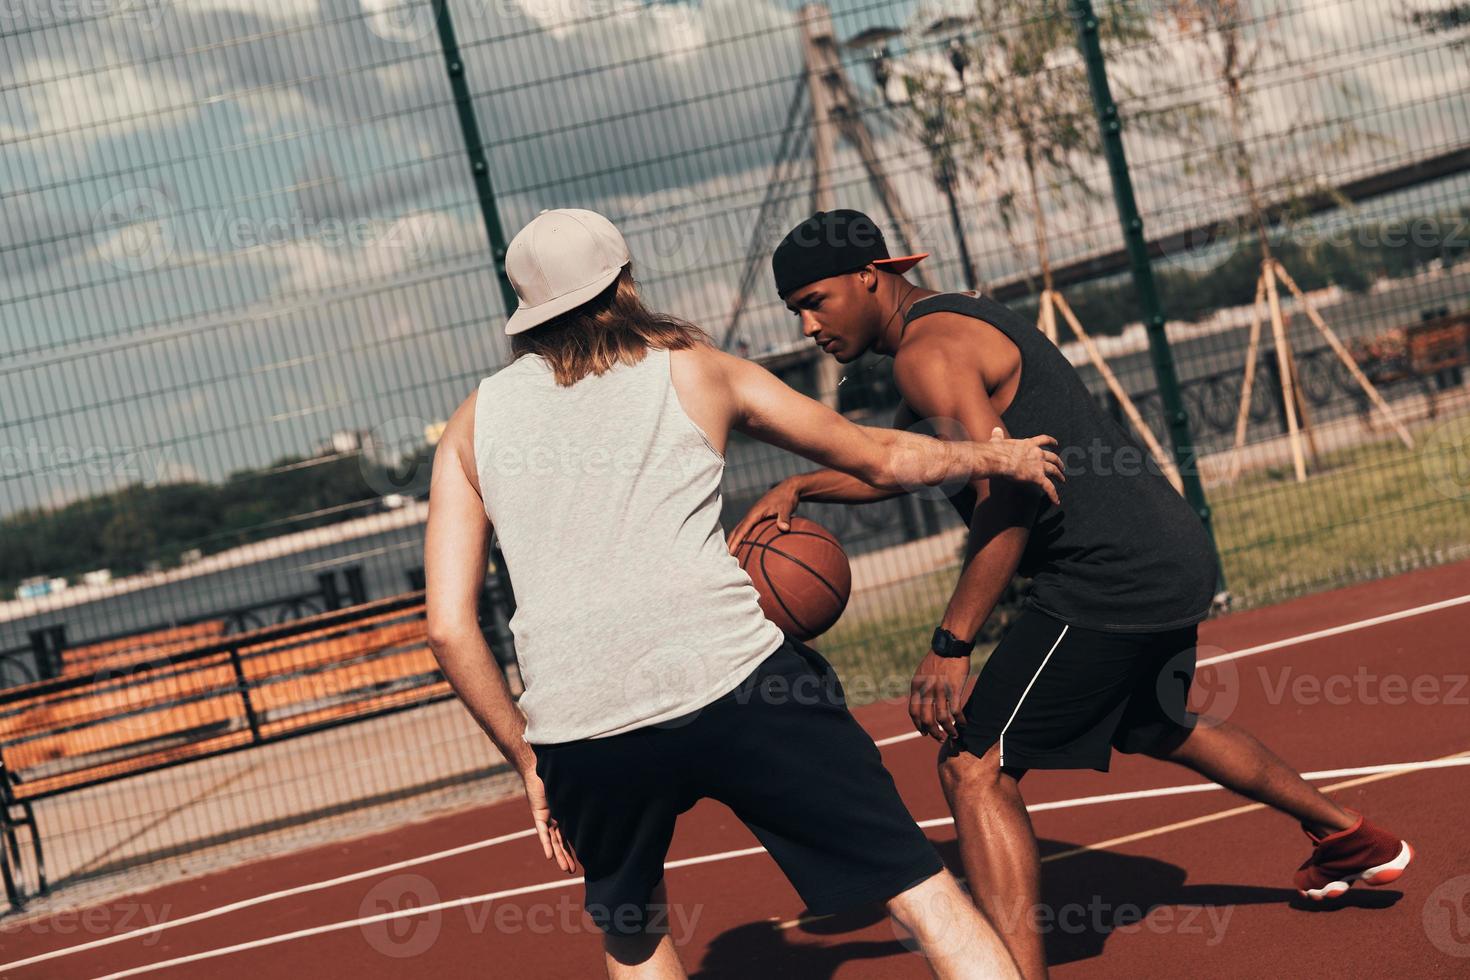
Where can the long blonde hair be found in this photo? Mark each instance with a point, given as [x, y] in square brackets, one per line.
[614, 327]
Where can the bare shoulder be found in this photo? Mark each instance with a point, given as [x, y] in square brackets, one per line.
[710, 374]
[943, 345]
[700, 364]
[705, 380]
[937, 344]
[458, 438]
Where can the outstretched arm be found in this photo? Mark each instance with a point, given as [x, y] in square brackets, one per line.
[826, 486]
[835, 487]
[887, 459]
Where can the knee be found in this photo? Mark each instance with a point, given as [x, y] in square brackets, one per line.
[970, 777]
[916, 908]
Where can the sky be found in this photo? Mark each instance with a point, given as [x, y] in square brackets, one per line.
[231, 227]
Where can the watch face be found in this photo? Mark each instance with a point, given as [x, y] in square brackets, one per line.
[946, 644]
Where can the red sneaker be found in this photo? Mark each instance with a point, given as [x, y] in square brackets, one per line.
[1362, 852]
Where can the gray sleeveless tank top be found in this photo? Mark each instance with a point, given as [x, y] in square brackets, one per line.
[605, 495]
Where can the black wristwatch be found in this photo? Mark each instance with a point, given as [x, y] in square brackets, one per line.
[946, 644]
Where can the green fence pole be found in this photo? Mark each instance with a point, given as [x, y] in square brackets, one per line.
[469, 127]
[1142, 268]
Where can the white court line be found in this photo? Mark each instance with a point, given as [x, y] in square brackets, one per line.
[400, 914]
[1146, 794]
[1338, 630]
[668, 866]
[1279, 644]
[439, 855]
[269, 897]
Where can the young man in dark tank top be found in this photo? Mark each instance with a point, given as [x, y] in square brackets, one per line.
[1122, 570]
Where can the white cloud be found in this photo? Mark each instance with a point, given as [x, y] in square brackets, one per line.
[53, 95]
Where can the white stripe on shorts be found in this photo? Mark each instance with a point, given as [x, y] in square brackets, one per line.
[1065, 627]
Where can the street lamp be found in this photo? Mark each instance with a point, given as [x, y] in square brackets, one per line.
[959, 55]
[876, 40]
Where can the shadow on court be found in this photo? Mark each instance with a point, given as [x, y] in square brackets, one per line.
[1087, 897]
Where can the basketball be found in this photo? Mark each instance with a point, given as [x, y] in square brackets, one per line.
[802, 575]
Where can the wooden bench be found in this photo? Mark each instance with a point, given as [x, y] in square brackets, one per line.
[1432, 353]
[130, 708]
[125, 652]
[1426, 349]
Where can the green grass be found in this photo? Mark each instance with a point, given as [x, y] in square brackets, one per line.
[885, 633]
[1364, 512]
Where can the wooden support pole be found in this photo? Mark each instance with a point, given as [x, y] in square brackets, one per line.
[1047, 319]
[1129, 409]
[1303, 414]
[1283, 360]
[1343, 355]
[1247, 387]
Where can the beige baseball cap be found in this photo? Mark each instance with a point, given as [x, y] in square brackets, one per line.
[559, 261]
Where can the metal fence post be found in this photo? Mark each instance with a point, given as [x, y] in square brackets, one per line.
[243, 686]
[1142, 269]
[327, 587]
[469, 127]
[48, 646]
[356, 586]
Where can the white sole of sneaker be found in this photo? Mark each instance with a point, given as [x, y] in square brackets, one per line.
[1380, 874]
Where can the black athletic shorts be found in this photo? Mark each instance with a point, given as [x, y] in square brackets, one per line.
[1056, 696]
[782, 751]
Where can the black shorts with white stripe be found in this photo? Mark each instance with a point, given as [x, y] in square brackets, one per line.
[1056, 696]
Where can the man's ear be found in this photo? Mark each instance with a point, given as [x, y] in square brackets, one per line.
[868, 276]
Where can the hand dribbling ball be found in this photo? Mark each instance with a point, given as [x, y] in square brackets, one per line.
[802, 575]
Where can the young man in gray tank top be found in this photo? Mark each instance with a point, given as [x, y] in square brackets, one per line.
[652, 679]
[1103, 654]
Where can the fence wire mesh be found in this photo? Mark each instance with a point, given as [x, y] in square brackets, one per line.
[245, 276]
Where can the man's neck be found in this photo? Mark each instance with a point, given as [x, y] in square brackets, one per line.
[905, 295]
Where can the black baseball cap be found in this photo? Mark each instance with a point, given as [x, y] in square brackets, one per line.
[831, 243]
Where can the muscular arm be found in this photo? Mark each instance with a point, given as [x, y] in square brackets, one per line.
[835, 487]
[888, 459]
[1001, 521]
[942, 387]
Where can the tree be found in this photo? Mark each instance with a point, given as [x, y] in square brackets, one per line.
[1021, 111]
[1235, 36]
[1449, 18]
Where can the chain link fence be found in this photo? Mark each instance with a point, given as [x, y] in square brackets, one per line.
[245, 276]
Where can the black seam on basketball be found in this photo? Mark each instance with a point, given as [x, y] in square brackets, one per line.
[773, 528]
[805, 534]
[815, 574]
[777, 593]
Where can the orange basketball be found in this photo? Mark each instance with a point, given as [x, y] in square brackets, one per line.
[802, 575]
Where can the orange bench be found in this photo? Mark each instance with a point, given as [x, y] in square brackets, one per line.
[129, 707]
